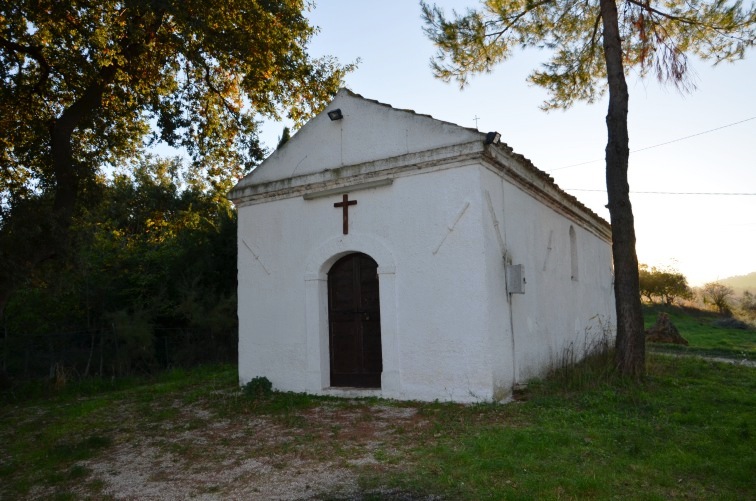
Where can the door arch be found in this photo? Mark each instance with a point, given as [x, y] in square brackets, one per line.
[354, 320]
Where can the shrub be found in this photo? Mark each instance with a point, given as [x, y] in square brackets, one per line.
[730, 323]
[258, 388]
[718, 295]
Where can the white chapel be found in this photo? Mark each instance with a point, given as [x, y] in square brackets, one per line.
[386, 253]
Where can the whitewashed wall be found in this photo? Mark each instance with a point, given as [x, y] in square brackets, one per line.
[557, 313]
[446, 323]
[439, 334]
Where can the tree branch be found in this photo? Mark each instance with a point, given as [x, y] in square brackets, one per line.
[35, 52]
[516, 18]
[215, 90]
[595, 29]
[685, 20]
[666, 15]
[60, 134]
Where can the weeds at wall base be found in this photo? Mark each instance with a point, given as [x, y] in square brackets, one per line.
[577, 369]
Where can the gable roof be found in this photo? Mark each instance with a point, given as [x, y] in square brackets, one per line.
[374, 140]
[369, 131]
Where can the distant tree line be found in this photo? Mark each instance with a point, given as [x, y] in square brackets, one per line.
[147, 281]
[667, 285]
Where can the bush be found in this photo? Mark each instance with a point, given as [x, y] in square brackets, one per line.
[730, 323]
[718, 295]
[258, 388]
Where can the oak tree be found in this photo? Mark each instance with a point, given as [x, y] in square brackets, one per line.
[592, 44]
[666, 283]
[90, 85]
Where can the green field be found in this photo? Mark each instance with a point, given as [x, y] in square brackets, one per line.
[699, 328]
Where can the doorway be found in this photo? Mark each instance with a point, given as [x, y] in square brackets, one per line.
[354, 318]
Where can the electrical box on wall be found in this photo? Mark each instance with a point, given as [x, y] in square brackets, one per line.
[516, 279]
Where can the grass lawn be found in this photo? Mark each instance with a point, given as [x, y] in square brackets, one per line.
[699, 329]
[688, 431]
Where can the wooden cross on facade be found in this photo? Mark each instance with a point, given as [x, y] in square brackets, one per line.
[344, 205]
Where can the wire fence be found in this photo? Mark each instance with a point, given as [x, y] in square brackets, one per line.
[110, 352]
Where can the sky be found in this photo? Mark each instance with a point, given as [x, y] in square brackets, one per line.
[706, 237]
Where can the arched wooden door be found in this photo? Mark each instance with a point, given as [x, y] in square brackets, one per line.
[354, 317]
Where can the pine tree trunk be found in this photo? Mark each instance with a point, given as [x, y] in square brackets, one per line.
[631, 349]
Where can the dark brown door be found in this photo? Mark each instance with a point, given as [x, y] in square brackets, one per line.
[354, 315]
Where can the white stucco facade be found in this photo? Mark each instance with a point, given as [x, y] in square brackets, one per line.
[442, 214]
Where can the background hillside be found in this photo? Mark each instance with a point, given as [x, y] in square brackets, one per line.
[741, 283]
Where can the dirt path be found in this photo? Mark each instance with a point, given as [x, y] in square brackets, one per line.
[727, 360]
[317, 453]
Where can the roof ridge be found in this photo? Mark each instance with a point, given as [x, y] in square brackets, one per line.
[407, 110]
[508, 149]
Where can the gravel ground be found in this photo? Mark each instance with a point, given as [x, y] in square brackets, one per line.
[319, 453]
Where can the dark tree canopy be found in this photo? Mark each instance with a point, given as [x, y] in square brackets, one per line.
[88, 85]
[149, 282]
[591, 45]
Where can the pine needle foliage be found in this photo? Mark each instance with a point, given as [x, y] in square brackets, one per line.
[657, 39]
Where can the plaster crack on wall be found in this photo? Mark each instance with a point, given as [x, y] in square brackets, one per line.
[497, 230]
[548, 250]
[297, 166]
[451, 227]
[256, 256]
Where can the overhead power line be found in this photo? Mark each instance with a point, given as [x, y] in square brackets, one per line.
[671, 192]
[660, 144]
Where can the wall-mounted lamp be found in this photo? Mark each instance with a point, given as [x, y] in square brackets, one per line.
[493, 138]
[335, 114]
